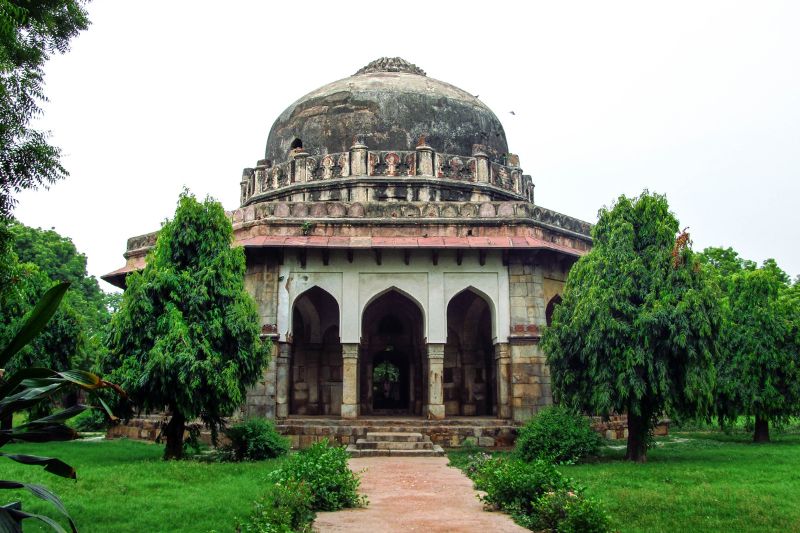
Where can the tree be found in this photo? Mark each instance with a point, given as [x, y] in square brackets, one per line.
[58, 258]
[29, 33]
[759, 359]
[635, 331]
[186, 335]
[34, 260]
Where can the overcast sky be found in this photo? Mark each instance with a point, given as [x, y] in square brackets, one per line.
[697, 100]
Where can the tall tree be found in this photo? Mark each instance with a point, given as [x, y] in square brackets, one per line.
[635, 331]
[759, 359]
[186, 335]
[29, 33]
[34, 260]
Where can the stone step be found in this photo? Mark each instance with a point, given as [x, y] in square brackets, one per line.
[395, 436]
[366, 444]
[436, 451]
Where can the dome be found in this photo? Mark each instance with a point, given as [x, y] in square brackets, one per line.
[391, 103]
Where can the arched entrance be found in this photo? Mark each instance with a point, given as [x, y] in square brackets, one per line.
[391, 366]
[469, 369]
[316, 360]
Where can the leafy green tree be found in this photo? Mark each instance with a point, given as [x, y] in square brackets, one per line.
[73, 338]
[759, 359]
[29, 33]
[635, 331]
[186, 336]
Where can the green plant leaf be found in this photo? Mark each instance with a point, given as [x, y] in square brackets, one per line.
[37, 320]
[50, 464]
[40, 492]
[10, 518]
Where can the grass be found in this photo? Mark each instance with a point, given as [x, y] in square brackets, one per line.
[125, 486]
[698, 481]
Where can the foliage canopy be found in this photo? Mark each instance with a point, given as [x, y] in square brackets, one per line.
[759, 359]
[29, 33]
[186, 336]
[636, 330]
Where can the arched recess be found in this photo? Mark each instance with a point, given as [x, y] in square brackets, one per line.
[469, 370]
[551, 307]
[392, 334]
[316, 360]
[408, 296]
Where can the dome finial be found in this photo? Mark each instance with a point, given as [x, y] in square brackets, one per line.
[391, 64]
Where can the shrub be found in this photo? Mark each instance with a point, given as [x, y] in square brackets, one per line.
[567, 511]
[283, 509]
[324, 470]
[511, 484]
[90, 420]
[559, 435]
[255, 439]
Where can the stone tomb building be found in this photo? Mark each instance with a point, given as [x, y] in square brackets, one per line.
[388, 226]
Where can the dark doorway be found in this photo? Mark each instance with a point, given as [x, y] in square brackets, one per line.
[392, 362]
[316, 362]
[469, 369]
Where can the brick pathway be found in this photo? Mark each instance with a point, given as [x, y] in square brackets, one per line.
[415, 494]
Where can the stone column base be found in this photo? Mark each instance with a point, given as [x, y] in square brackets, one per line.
[435, 411]
[349, 411]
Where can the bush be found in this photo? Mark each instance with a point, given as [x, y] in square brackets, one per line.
[567, 511]
[511, 485]
[90, 420]
[324, 470]
[255, 439]
[283, 509]
[559, 435]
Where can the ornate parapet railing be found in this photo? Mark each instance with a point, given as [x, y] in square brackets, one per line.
[359, 161]
[414, 212]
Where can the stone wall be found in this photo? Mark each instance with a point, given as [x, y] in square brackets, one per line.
[534, 278]
[261, 281]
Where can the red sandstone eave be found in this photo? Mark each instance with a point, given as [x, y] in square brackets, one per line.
[117, 277]
[503, 243]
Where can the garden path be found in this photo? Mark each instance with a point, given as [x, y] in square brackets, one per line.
[414, 494]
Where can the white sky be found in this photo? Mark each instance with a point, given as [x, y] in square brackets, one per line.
[698, 100]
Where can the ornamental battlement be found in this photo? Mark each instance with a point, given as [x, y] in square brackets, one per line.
[442, 176]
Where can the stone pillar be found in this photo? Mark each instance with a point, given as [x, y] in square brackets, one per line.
[300, 167]
[502, 358]
[435, 408]
[349, 380]
[424, 158]
[358, 157]
[482, 163]
[282, 380]
[247, 175]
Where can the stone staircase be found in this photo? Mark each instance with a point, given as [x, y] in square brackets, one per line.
[395, 444]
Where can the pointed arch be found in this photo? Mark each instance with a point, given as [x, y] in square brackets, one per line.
[486, 298]
[401, 292]
[302, 304]
[315, 362]
[551, 307]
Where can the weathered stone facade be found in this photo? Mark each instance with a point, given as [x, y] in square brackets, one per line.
[389, 225]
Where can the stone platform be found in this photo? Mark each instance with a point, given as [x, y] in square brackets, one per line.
[447, 433]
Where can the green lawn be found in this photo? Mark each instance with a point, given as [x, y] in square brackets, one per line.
[697, 481]
[701, 482]
[125, 486]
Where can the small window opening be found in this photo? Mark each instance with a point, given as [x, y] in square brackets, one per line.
[297, 143]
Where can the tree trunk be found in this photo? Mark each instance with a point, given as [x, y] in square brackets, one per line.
[7, 422]
[761, 433]
[638, 426]
[174, 432]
